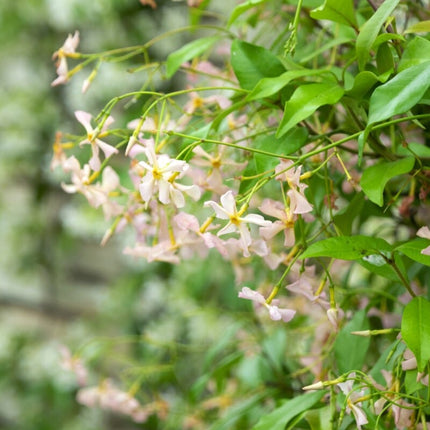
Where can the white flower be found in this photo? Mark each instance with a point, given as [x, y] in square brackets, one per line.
[161, 170]
[85, 119]
[275, 312]
[68, 48]
[228, 210]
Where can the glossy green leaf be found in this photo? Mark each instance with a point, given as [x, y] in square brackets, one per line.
[417, 51]
[347, 247]
[269, 86]
[280, 417]
[187, 52]
[399, 94]
[418, 149]
[350, 350]
[346, 216]
[378, 265]
[242, 8]
[341, 11]
[375, 178]
[363, 82]
[285, 145]
[419, 27]
[416, 330]
[305, 101]
[413, 248]
[251, 63]
[384, 59]
[370, 30]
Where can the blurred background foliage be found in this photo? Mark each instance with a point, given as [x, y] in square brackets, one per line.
[147, 324]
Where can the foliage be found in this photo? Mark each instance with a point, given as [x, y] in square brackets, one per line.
[295, 146]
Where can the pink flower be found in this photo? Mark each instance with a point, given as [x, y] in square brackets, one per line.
[237, 222]
[73, 364]
[81, 183]
[298, 202]
[85, 119]
[284, 223]
[352, 401]
[275, 312]
[425, 233]
[67, 50]
[111, 398]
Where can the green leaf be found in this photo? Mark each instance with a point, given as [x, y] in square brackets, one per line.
[346, 216]
[236, 412]
[363, 82]
[384, 59]
[413, 248]
[305, 101]
[187, 52]
[378, 265]
[280, 417]
[251, 63]
[370, 30]
[347, 247]
[416, 330]
[269, 86]
[417, 51]
[242, 8]
[341, 11]
[350, 350]
[419, 27]
[375, 177]
[418, 149]
[399, 94]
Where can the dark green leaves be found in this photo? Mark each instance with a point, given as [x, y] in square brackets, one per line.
[348, 247]
[376, 177]
[251, 63]
[350, 350]
[416, 330]
[399, 94]
[341, 11]
[187, 52]
[269, 86]
[280, 417]
[305, 101]
[370, 30]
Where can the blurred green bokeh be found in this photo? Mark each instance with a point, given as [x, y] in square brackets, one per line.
[57, 285]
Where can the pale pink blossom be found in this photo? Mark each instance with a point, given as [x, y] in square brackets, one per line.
[237, 223]
[67, 50]
[196, 102]
[108, 397]
[353, 405]
[92, 139]
[402, 410]
[298, 202]
[215, 163]
[425, 233]
[80, 179]
[285, 221]
[275, 312]
[73, 364]
[161, 170]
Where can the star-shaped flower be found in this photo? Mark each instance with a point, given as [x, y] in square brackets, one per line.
[275, 312]
[237, 222]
